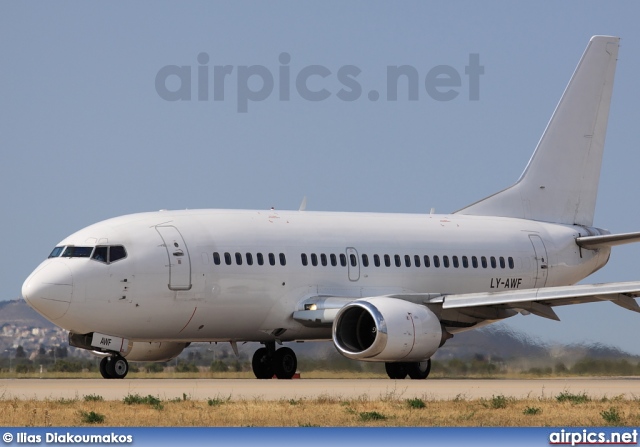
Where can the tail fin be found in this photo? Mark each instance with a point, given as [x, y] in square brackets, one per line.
[560, 183]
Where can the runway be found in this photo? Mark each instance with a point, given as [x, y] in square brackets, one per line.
[253, 389]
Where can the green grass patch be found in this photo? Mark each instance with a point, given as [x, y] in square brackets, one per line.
[369, 416]
[91, 417]
[566, 396]
[136, 399]
[611, 416]
[416, 403]
[531, 411]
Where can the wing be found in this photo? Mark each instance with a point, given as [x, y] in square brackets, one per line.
[319, 311]
[540, 301]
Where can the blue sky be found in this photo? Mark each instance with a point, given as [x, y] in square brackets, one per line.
[85, 136]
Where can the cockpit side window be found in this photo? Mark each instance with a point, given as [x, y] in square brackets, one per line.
[101, 254]
[116, 253]
[77, 252]
[56, 252]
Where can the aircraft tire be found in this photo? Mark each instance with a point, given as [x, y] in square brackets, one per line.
[419, 370]
[261, 364]
[285, 363]
[396, 370]
[120, 367]
[103, 368]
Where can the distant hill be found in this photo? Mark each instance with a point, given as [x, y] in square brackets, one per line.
[18, 312]
[496, 342]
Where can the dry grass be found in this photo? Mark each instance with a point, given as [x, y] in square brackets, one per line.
[219, 411]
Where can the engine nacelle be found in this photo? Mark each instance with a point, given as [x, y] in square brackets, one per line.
[387, 330]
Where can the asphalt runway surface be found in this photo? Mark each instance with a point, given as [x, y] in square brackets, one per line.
[254, 389]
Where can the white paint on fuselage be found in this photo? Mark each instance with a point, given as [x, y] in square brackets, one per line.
[249, 303]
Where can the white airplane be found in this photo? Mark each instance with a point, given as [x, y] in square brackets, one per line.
[384, 287]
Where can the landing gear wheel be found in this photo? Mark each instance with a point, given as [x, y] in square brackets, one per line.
[419, 370]
[396, 370]
[120, 367]
[285, 363]
[114, 367]
[103, 368]
[261, 364]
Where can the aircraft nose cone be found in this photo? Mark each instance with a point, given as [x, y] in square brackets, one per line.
[49, 290]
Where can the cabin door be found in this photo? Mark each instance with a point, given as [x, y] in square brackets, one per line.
[179, 260]
[541, 262]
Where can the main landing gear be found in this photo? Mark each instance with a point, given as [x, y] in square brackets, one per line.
[268, 362]
[415, 370]
[114, 367]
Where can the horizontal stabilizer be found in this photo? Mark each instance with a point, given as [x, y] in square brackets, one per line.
[607, 240]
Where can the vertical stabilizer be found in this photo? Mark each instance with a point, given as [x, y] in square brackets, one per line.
[560, 183]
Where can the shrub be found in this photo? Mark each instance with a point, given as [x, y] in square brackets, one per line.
[368, 416]
[416, 403]
[91, 417]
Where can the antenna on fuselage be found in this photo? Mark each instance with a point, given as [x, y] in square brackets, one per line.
[303, 205]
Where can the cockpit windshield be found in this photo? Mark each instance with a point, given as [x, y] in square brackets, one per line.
[101, 253]
[56, 252]
[77, 252]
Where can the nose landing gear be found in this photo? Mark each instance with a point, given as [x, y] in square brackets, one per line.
[268, 362]
[114, 367]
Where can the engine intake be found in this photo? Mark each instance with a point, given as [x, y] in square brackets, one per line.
[387, 330]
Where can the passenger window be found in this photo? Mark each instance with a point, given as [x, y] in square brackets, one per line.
[304, 259]
[416, 260]
[323, 259]
[334, 260]
[445, 261]
[365, 260]
[376, 260]
[511, 265]
[484, 262]
[314, 259]
[283, 260]
[455, 262]
[436, 262]
[397, 260]
[353, 259]
[249, 259]
[272, 259]
[465, 262]
[427, 261]
[238, 259]
[227, 258]
[56, 252]
[407, 260]
[502, 264]
[474, 261]
[343, 260]
[260, 259]
[493, 262]
[216, 258]
[387, 260]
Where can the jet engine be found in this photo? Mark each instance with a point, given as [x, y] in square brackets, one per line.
[387, 330]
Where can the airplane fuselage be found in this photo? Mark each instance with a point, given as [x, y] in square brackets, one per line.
[222, 275]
